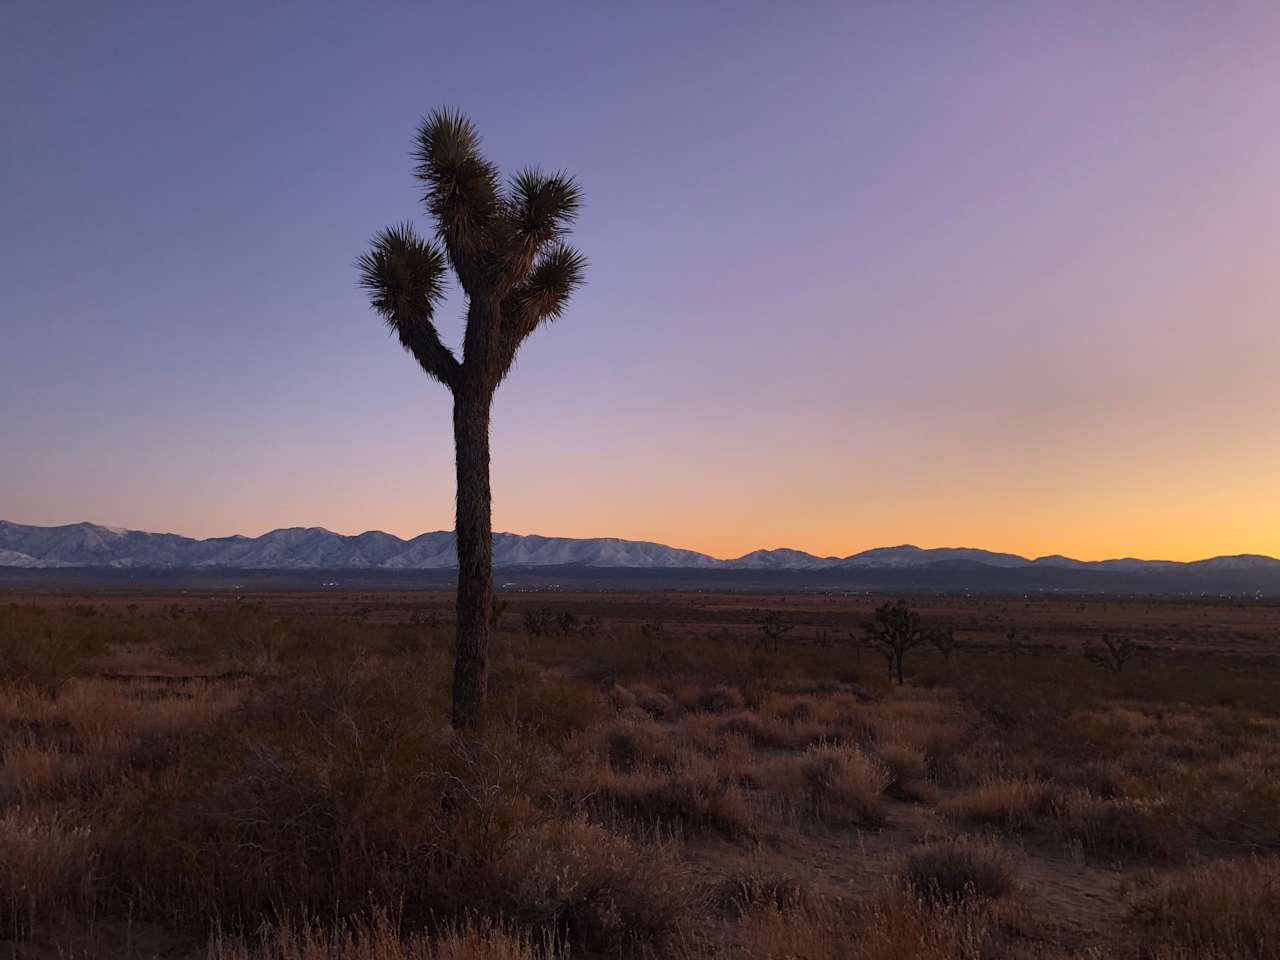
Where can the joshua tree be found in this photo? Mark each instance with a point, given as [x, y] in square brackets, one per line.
[498, 611]
[773, 625]
[893, 631]
[1114, 654]
[1015, 644]
[505, 243]
[944, 641]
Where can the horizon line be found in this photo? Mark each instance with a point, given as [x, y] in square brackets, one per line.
[127, 529]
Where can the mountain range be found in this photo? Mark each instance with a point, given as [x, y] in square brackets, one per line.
[82, 545]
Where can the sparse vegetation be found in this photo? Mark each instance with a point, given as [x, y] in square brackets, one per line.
[950, 873]
[279, 780]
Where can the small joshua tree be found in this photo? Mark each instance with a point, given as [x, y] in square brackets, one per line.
[539, 622]
[498, 611]
[893, 631]
[1114, 653]
[504, 241]
[944, 641]
[1015, 644]
[653, 631]
[773, 625]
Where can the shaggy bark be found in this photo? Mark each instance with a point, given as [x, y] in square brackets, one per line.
[473, 529]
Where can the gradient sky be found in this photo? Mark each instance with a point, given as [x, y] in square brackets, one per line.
[1000, 275]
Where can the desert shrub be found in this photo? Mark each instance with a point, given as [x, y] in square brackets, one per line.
[620, 698]
[958, 870]
[771, 733]
[718, 699]
[1011, 804]
[47, 871]
[757, 888]
[694, 799]
[332, 792]
[545, 622]
[1221, 910]
[1116, 827]
[591, 887]
[543, 702]
[656, 704]
[379, 939]
[950, 755]
[892, 925]
[841, 784]
[908, 776]
[628, 745]
[42, 651]
[1121, 827]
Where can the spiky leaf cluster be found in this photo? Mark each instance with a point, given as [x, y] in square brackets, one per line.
[505, 242]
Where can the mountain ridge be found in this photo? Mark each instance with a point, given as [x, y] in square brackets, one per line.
[309, 548]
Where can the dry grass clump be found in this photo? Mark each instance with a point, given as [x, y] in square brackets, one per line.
[588, 887]
[1221, 910]
[694, 798]
[756, 888]
[42, 648]
[1122, 828]
[959, 870]
[656, 703]
[718, 699]
[1116, 827]
[378, 939]
[1009, 804]
[47, 871]
[545, 703]
[894, 925]
[95, 731]
[837, 717]
[620, 698]
[908, 772]
[636, 742]
[773, 733]
[833, 783]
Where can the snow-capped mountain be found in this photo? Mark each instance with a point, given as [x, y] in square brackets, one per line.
[314, 548]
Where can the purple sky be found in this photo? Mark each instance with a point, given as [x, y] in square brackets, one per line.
[994, 274]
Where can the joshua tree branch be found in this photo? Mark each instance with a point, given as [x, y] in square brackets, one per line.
[436, 359]
[404, 275]
[542, 297]
[462, 194]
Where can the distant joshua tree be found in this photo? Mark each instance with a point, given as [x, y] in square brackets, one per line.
[774, 625]
[498, 612]
[944, 641]
[893, 631]
[505, 243]
[1114, 653]
[1015, 644]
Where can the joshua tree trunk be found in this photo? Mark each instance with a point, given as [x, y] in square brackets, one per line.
[474, 532]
